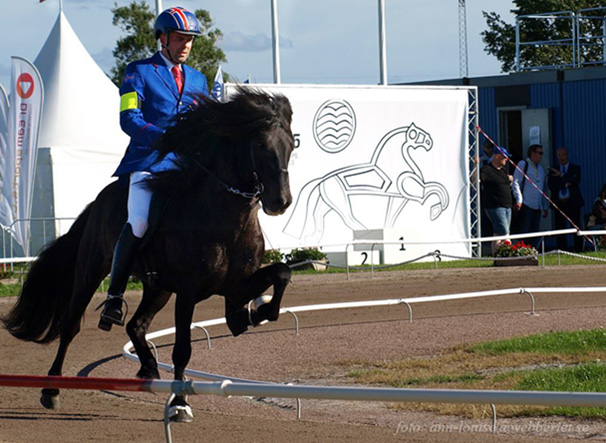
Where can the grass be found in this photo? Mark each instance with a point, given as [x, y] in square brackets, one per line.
[588, 377]
[556, 361]
[577, 342]
[9, 288]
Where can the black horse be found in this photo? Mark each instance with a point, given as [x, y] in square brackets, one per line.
[206, 239]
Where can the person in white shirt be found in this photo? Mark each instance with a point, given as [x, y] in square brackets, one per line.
[529, 202]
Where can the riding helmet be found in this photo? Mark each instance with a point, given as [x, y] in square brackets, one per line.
[177, 19]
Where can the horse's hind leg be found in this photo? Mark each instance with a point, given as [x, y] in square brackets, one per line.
[239, 318]
[152, 302]
[84, 288]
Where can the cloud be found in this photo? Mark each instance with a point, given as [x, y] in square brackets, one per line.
[236, 41]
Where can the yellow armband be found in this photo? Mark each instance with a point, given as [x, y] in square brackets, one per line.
[129, 101]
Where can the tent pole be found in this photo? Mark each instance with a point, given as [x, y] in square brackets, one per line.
[275, 41]
[158, 11]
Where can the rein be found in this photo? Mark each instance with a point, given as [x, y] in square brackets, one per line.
[259, 188]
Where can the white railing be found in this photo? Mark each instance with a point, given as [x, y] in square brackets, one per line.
[226, 386]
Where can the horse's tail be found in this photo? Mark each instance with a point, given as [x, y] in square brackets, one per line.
[303, 210]
[38, 313]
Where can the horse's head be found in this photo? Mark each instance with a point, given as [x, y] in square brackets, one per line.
[271, 150]
[244, 143]
[418, 138]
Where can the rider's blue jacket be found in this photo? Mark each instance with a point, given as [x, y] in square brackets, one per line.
[149, 102]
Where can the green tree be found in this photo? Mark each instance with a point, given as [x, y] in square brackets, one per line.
[137, 21]
[500, 37]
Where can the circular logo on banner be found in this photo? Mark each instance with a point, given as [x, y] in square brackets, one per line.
[334, 125]
[25, 85]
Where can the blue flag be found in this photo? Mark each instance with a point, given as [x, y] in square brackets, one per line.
[217, 90]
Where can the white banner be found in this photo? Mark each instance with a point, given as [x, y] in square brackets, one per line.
[19, 168]
[376, 163]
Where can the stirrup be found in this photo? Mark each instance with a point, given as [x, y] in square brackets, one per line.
[106, 321]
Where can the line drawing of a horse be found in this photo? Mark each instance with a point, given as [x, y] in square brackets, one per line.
[399, 181]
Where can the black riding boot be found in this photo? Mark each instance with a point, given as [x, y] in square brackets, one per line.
[124, 256]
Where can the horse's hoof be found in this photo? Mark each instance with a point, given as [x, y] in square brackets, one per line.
[257, 310]
[148, 374]
[50, 400]
[180, 414]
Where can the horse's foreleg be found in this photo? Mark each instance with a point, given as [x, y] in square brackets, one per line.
[239, 317]
[152, 302]
[279, 276]
[180, 410]
[439, 190]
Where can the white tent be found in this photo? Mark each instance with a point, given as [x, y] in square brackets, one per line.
[80, 141]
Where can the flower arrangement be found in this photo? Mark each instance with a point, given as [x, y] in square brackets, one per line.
[520, 249]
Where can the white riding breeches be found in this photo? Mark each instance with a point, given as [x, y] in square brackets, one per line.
[139, 195]
[139, 200]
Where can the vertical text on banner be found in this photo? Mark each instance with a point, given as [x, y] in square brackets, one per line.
[19, 168]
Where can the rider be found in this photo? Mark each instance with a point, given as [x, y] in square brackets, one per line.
[153, 92]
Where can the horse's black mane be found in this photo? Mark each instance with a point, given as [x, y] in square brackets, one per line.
[245, 115]
[212, 126]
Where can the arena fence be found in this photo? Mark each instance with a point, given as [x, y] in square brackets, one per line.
[269, 389]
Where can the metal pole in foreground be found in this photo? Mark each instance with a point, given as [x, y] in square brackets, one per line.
[275, 41]
[382, 45]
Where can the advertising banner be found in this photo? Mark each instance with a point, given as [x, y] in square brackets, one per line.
[376, 163]
[19, 158]
[6, 216]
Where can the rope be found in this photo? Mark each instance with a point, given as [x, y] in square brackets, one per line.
[438, 256]
[534, 184]
[456, 257]
[435, 254]
[572, 254]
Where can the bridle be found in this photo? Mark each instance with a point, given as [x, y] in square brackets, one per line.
[252, 195]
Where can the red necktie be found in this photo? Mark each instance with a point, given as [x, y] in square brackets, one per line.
[178, 78]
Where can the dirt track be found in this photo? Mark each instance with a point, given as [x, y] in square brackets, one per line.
[329, 340]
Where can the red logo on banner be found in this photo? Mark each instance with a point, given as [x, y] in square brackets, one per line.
[25, 85]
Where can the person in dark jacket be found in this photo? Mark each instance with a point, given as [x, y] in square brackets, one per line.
[153, 92]
[497, 198]
[563, 183]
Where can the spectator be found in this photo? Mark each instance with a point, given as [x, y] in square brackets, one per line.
[486, 226]
[566, 195]
[597, 219]
[530, 202]
[497, 198]
[487, 151]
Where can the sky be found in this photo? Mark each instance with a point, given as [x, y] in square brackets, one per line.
[321, 41]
